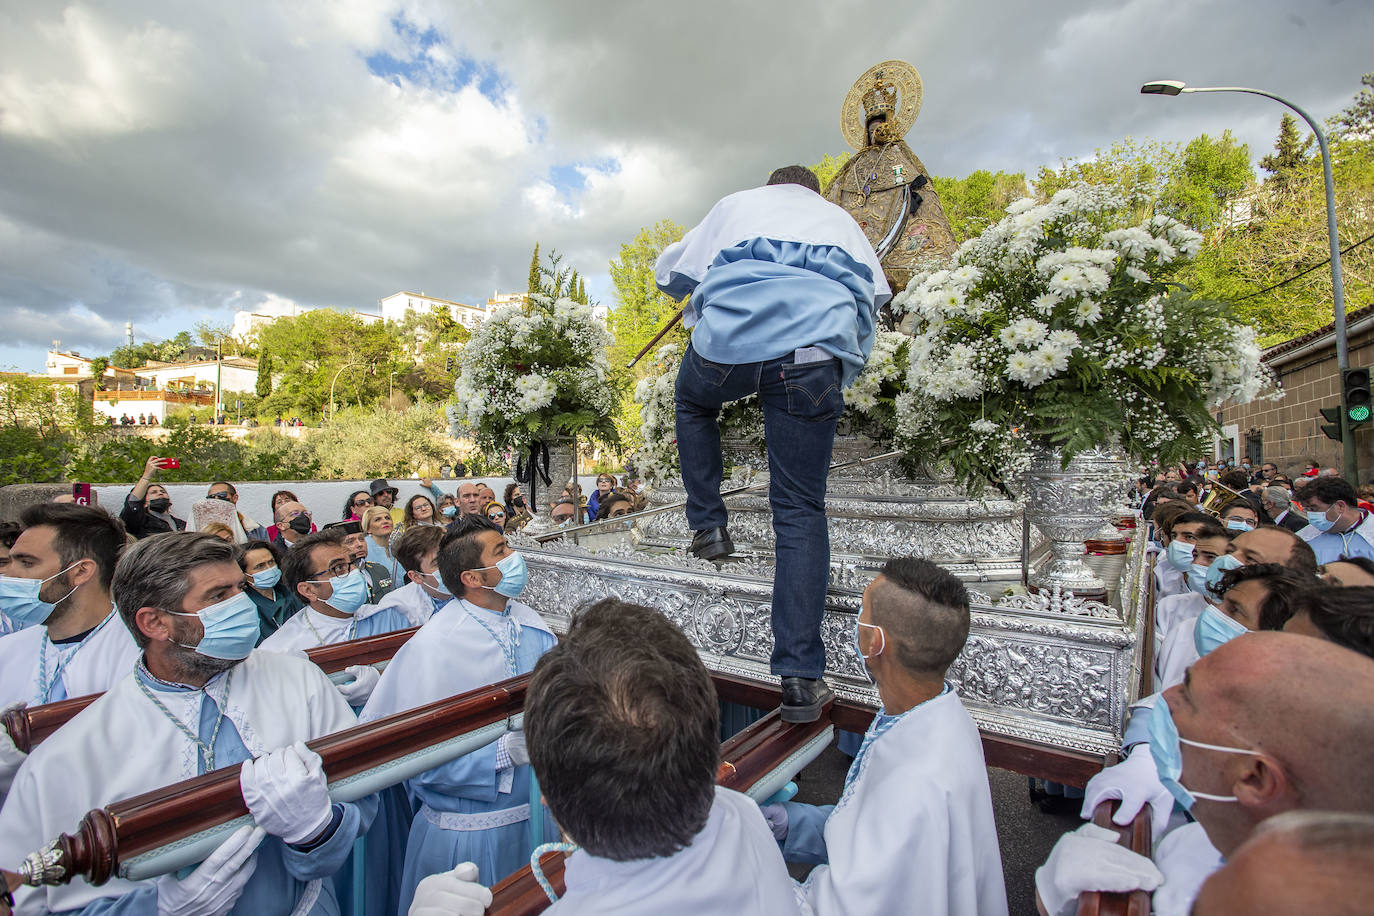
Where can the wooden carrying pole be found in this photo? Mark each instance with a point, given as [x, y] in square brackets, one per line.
[1135, 836]
[109, 838]
[746, 759]
[29, 725]
[657, 337]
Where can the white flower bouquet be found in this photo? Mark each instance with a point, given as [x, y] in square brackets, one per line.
[1057, 328]
[534, 372]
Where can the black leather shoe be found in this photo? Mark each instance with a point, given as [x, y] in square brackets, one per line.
[803, 698]
[712, 544]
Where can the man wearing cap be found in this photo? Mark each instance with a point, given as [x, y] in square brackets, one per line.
[384, 495]
[379, 581]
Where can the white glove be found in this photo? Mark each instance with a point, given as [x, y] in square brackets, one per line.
[1135, 781]
[514, 744]
[776, 816]
[286, 793]
[365, 678]
[451, 893]
[11, 758]
[1091, 859]
[214, 887]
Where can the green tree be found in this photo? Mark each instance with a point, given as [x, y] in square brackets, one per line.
[1290, 154]
[977, 201]
[437, 338]
[377, 442]
[324, 347]
[264, 385]
[1204, 177]
[205, 453]
[828, 168]
[40, 421]
[641, 309]
[535, 275]
[1356, 122]
[99, 366]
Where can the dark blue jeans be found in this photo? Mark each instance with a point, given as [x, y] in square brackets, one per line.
[801, 406]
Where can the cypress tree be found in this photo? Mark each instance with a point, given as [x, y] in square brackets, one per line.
[534, 284]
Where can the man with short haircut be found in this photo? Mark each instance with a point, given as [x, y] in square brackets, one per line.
[1168, 579]
[1196, 539]
[1280, 508]
[469, 499]
[1238, 515]
[655, 834]
[1190, 490]
[351, 536]
[1343, 615]
[1267, 723]
[1336, 525]
[1297, 864]
[1353, 571]
[199, 699]
[475, 808]
[293, 523]
[563, 512]
[334, 608]
[913, 831]
[423, 595]
[1271, 544]
[58, 587]
[248, 530]
[783, 292]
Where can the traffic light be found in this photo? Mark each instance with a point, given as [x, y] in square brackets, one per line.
[1355, 392]
[1332, 426]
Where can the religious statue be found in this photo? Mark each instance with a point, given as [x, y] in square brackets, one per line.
[884, 186]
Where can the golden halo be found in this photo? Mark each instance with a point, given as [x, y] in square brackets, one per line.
[909, 93]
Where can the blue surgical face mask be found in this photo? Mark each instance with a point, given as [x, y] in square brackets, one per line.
[350, 592]
[1196, 577]
[231, 628]
[1214, 628]
[1319, 520]
[1239, 524]
[1165, 748]
[19, 599]
[267, 578]
[1180, 554]
[514, 575]
[438, 584]
[449, 511]
[1220, 566]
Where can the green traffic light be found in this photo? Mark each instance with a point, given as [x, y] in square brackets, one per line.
[1359, 413]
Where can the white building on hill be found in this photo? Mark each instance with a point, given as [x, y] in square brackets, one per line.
[236, 374]
[396, 306]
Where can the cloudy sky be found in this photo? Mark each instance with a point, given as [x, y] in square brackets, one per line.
[166, 162]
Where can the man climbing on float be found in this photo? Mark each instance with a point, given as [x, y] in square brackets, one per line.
[785, 291]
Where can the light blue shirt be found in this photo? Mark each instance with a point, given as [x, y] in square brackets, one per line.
[1330, 547]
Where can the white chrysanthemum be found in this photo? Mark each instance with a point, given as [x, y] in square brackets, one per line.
[1025, 333]
[1063, 340]
[1020, 205]
[1087, 312]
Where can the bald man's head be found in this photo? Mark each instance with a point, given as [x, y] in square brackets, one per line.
[1300, 706]
[1297, 864]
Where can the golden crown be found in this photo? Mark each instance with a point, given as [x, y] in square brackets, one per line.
[881, 99]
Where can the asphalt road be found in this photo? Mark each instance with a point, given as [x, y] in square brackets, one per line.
[1024, 831]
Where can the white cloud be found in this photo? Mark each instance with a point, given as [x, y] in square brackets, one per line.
[166, 162]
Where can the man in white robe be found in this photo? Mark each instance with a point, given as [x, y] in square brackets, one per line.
[913, 831]
[475, 808]
[333, 592]
[1266, 723]
[58, 582]
[417, 550]
[200, 698]
[655, 834]
[320, 571]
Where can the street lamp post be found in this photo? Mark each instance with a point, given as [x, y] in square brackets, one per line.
[333, 409]
[1176, 87]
